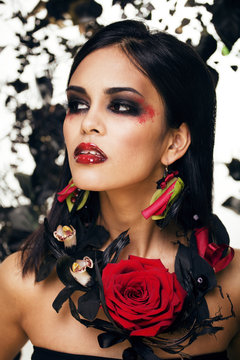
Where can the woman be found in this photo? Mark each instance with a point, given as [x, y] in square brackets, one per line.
[141, 109]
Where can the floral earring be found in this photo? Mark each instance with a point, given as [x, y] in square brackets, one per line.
[70, 194]
[168, 190]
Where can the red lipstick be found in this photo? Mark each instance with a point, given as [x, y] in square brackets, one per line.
[87, 153]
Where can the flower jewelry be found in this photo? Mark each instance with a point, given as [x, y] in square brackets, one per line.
[70, 193]
[169, 188]
[139, 297]
[66, 234]
[79, 270]
[142, 296]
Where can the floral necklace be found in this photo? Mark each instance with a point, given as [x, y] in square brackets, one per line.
[140, 297]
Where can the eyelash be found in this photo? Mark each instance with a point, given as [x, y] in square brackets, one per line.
[73, 106]
[131, 108]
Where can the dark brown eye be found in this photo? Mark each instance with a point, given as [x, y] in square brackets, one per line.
[76, 106]
[121, 107]
[125, 107]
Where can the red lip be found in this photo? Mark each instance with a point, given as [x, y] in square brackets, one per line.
[87, 153]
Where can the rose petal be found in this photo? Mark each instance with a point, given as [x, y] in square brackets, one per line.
[141, 295]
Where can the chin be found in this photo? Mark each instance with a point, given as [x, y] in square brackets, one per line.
[91, 183]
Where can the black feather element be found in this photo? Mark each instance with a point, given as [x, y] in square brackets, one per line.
[100, 325]
[89, 236]
[56, 248]
[102, 297]
[193, 272]
[64, 294]
[144, 351]
[46, 267]
[97, 323]
[80, 233]
[97, 236]
[219, 232]
[129, 354]
[63, 270]
[190, 268]
[112, 252]
[108, 339]
[89, 303]
[73, 310]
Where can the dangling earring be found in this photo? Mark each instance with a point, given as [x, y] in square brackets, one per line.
[168, 190]
[70, 193]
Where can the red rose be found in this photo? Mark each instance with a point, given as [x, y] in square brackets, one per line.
[142, 296]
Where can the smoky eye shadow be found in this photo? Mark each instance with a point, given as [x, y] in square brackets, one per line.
[135, 108]
[73, 102]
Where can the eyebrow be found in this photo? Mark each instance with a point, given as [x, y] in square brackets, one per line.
[110, 91]
[79, 89]
[115, 90]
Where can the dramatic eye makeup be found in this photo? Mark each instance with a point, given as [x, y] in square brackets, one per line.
[76, 105]
[124, 101]
[147, 114]
[125, 107]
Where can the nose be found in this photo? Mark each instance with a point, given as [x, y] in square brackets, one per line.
[92, 122]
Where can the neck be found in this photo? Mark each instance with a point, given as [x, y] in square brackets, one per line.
[121, 210]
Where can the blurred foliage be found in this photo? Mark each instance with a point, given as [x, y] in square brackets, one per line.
[45, 140]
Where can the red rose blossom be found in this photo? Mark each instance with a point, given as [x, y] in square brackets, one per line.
[142, 296]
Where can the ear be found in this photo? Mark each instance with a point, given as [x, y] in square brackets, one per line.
[177, 144]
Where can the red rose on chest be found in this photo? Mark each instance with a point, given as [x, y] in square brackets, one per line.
[142, 296]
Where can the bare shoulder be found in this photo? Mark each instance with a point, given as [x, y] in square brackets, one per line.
[229, 279]
[10, 273]
[12, 293]
[13, 286]
[12, 260]
[231, 274]
[232, 278]
[11, 278]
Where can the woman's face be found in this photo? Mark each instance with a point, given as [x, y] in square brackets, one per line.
[115, 126]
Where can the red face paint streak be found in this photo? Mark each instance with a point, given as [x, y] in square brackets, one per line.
[148, 114]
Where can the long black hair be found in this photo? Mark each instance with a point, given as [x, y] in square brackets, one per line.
[186, 86]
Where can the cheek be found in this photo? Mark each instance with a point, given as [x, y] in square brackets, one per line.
[69, 116]
[68, 129]
[136, 142]
[144, 141]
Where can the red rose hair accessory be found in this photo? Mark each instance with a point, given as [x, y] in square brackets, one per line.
[141, 295]
[69, 193]
[212, 252]
[169, 188]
